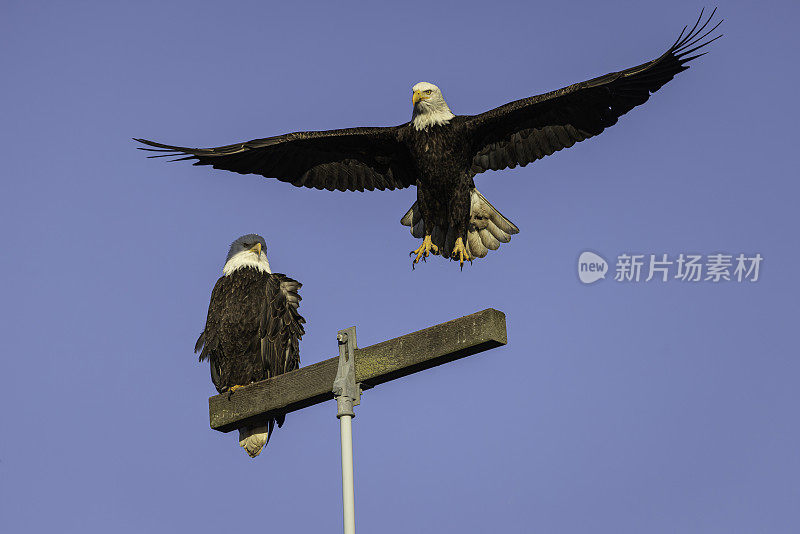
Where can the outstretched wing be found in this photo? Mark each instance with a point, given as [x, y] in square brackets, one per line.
[529, 129]
[353, 159]
[281, 325]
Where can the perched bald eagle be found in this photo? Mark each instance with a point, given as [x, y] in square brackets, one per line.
[440, 152]
[253, 329]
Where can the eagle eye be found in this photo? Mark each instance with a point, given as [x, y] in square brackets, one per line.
[428, 91]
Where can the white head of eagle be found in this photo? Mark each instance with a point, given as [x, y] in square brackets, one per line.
[430, 109]
[247, 251]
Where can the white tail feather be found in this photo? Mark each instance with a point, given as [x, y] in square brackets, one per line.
[487, 228]
[475, 246]
[252, 440]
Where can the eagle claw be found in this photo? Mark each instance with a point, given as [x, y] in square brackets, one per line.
[425, 249]
[232, 389]
[460, 253]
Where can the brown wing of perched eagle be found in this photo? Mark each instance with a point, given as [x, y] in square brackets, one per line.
[253, 328]
[440, 152]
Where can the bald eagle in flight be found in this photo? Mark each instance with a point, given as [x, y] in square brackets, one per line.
[253, 329]
[440, 152]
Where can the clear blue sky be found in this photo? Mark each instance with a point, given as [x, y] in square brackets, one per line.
[616, 407]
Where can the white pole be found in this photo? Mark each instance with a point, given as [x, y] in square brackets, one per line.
[348, 394]
[348, 492]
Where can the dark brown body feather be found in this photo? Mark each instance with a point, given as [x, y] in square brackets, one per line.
[442, 156]
[253, 328]
[442, 160]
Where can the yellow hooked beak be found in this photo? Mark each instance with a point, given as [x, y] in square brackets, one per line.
[256, 249]
[418, 96]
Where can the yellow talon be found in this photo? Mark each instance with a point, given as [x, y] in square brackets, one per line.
[232, 389]
[425, 249]
[460, 253]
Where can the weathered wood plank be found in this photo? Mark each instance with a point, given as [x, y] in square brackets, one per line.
[375, 365]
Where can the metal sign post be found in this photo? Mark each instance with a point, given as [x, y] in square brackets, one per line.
[347, 394]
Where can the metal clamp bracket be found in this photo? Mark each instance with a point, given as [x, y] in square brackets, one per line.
[345, 389]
